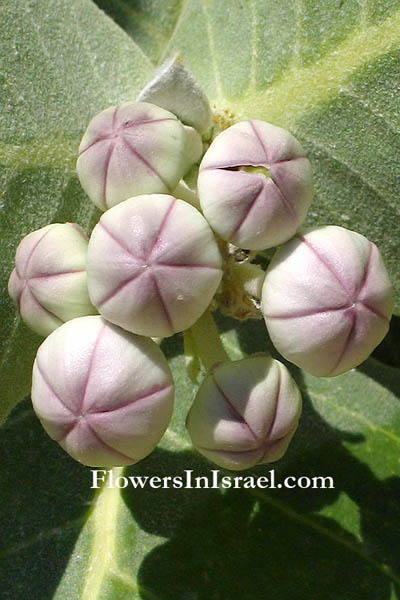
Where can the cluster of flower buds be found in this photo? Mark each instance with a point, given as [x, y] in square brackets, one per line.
[154, 264]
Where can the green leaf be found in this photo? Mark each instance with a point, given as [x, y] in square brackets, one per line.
[210, 543]
[329, 72]
[56, 71]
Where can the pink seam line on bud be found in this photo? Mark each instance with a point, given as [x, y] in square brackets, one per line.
[46, 310]
[248, 210]
[324, 262]
[232, 408]
[351, 307]
[162, 302]
[107, 446]
[79, 229]
[90, 368]
[278, 396]
[346, 344]
[131, 126]
[114, 137]
[265, 443]
[108, 160]
[31, 254]
[284, 201]
[162, 227]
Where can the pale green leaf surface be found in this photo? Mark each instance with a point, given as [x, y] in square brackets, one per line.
[56, 71]
[329, 72]
[211, 543]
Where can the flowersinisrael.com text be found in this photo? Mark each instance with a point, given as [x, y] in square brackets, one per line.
[213, 481]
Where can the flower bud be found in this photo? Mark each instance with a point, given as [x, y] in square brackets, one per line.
[245, 413]
[103, 394]
[255, 185]
[49, 282]
[153, 265]
[327, 300]
[135, 148]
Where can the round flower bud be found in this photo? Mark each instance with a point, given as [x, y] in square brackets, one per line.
[49, 282]
[245, 413]
[255, 185]
[105, 395]
[153, 265]
[136, 148]
[327, 300]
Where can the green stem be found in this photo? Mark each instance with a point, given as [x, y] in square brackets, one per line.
[207, 341]
[183, 192]
[251, 278]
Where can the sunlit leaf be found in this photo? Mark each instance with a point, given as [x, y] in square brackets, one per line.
[328, 71]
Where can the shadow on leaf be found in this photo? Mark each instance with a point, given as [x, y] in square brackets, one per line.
[245, 544]
[44, 495]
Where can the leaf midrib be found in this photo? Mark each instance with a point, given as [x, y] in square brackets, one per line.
[294, 515]
[301, 88]
[104, 514]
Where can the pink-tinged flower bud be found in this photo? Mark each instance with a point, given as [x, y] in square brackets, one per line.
[245, 413]
[153, 265]
[327, 300]
[105, 395]
[49, 282]
[136, 148]
[255, 185]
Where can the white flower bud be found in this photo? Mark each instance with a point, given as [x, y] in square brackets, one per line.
[327, 300]
[103, 394]
[245, 413]
[153, 265]
[255, 185]
[136, 148]
[49, 282]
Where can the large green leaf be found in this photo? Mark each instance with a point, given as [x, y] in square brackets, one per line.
[209, 543]
[329, 72]
[60, 63]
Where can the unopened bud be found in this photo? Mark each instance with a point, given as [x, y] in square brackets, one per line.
[49, 283]
[327, 300]
[105, 395]
[245, 413]
[136, 148]
[153, 265]
[255, 185]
